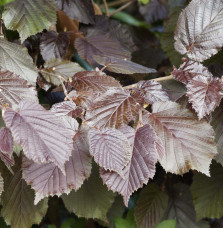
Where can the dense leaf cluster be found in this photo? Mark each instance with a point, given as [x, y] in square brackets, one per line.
[88, 114]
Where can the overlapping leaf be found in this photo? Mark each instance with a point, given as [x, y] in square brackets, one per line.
[208, 193]
[53, 46]
[8, 160]
[110, 149]
[82, 10]
[13, 89]
[186, 146]
[1, 184]
[47, 179]
[140, 168]
[18, 207]
[188, 70]
[150, 91]
[181, 207]
[16, 60]
[63, 108]
[6, 141]
[92, 200]
[56, 68]
[205, 94]
[123, 66]
[112, 109]
[93, 80]
[38, 131]
[100, 44]
[199, 29]
[29, 17]
[217, 123]
[151, 206]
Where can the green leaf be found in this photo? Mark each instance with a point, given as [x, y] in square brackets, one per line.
[29, 17]
[3, 2]
[18, 207]
[151, 206]
[167, 224]
[168, 37]
[181, 207]
[16, 59]
[128, 222]
[144, 1]
[207, 193]
[92, 200]
[71, 222]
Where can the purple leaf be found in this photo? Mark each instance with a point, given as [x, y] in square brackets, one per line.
[122, 65]
[48, 180]
[53, 46]
[205, 94]
[6, 141]
[114, 108]
[110, 149]
[140, 168]
[152, 91]
[13, 89]
[93, 80]
[100, 44]
[82, 10]
[188, 70]
[64, 108]
[186, 146]
[41, 134]
[199, 30]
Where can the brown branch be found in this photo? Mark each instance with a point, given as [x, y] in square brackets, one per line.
[166, 78]
[121, 8]
[106, 8]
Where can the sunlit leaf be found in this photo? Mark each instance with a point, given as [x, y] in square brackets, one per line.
[92, 200]
[99, 44]
[18, 207]
[140, 168]
[207, 193]
[53, 46]
[48, 180]
[82, 10]
[16, 60]
[13, 89]
[199, 29]
[56, 68]
[188, 70]
[186, 146]
[38, 131]
[151, 91]
[205, 94]
[63, 108]
[123, 66]
[112, 109]
[110, 149]
[151, 206]
[29, 17]
[93, 80]
[3, 2]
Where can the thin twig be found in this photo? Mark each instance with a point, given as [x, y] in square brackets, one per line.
[64, 89]
[106, 8]
[166, 78]
[121, 8]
